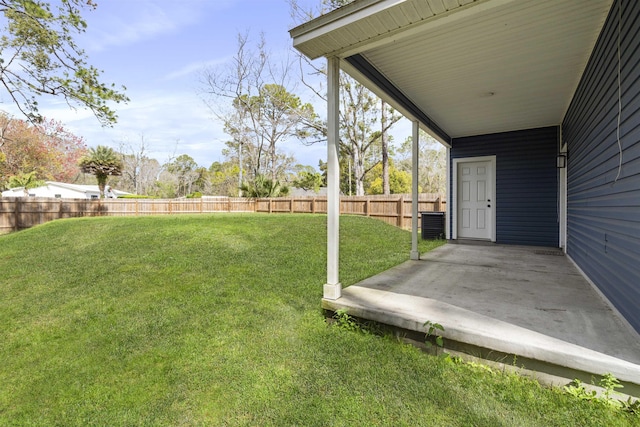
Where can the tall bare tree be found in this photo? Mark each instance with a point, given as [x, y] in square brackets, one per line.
[139, 171]
[186, 172]
[250, 96]
[433, 164]
[360, 139]
[384, 147]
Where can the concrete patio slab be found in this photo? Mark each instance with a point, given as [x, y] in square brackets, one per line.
[525, 301]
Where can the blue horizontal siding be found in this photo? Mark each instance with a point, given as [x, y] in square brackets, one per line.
[603, 213]
[526, 182]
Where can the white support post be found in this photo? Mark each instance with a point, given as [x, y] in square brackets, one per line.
[333, 289]
[448, 213]
[415, 155]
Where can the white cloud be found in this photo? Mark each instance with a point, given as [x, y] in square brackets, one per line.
[172, 124]
[195, 67]
[141, 24]
[143, 20]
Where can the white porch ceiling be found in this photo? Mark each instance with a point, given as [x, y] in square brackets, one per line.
[473, 66]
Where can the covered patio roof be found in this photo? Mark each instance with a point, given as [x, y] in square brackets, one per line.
[463, 67]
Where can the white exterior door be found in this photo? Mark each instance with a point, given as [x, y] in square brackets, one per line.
[475, 200]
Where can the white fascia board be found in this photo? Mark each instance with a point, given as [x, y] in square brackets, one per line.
[339, 18]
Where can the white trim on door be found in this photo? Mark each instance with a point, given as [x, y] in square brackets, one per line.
[454, 193]
[449, 197]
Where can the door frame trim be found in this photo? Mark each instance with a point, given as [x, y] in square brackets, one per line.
[454, 201]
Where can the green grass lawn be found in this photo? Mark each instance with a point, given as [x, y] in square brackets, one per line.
[216, 320]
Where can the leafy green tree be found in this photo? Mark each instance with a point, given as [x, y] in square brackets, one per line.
[347, 178]
[26, 181]
[271, 118]
[275, 115]
[223, 178]
[309, 180]
[185, 170]
[102, 162]
[432, 170]
[47, 149]
[399, 181]
[39, 56]
[202, 184]
[165, 187]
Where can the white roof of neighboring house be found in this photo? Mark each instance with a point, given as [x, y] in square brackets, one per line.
[64, 190]
[300, 192]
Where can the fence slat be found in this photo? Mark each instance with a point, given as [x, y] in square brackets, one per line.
[17, 215]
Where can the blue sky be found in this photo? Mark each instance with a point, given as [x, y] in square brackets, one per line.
[158, 49]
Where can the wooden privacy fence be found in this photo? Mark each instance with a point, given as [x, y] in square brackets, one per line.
[24, 212]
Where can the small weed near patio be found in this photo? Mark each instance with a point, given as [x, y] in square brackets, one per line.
[215, 320]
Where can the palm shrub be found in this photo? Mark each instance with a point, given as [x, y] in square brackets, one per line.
[264, 187]
[102, 162]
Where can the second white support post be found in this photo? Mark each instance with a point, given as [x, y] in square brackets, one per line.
[333, 289]
[415, 163]
[447, 233]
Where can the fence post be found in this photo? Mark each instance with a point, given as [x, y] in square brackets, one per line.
[313, 205]
[436, 206]
[291, 205]
[401, 211]
[367, 207]
[135, 206]
[270, 207]
[60, 210]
